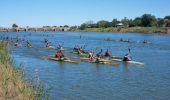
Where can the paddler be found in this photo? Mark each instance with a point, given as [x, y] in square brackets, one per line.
[47, 45]
[28, 44]
[107, 53]
[127, 58]
[59, 47]
[145, 41]
[62, 58]
[16, 44]
[79, 51]
[76, 47]
[57, 54]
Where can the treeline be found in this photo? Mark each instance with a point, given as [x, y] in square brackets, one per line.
[146, 20]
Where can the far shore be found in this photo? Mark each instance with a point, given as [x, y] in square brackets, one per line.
[161, 30]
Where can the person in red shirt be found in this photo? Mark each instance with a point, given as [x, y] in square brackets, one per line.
[57, 54]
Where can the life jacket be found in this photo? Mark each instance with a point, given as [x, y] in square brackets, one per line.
[107, 53]
[16, 44]
[57, 54]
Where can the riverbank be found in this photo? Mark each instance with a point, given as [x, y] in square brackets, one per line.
[12, 83]
[165, 30]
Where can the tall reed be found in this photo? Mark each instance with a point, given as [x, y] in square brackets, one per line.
[13, 84]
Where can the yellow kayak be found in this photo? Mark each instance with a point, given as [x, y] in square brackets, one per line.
[57, 59]
[102, 62]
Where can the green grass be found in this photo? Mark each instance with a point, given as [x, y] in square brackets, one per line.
[13, 84]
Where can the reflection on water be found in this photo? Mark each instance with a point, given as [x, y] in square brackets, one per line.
[98, 81]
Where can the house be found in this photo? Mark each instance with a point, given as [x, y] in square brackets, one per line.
[119, 24]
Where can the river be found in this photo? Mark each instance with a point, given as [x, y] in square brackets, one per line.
[90, 81]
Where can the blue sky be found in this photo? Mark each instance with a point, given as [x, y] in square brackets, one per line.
[38, 13]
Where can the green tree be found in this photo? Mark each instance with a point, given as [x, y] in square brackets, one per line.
[137, 21]
[125, 22]
[160, 22]
[83, 26]
[167, 17]
[89, 23]
[102, 23]
[114, 22]
[14, 25]
[66, 26]
[168, 23]
[147, 20]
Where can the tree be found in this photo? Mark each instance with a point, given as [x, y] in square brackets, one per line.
[83, 26]
[137, 21]
[114, 22]
[167, 17]
[146, 20]
[89, 23]
[66, 26]
[168, 23]
[103, 23]
[160, 22]
[125, 22]
[14, 25]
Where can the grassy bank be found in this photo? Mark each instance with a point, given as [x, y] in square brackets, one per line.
[128, 29]
[13, 86]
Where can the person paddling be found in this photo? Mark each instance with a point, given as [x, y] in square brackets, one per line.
[62, 58]
[57, 54]
[47, 45]
[107, 53]
[28, 44]
[127, 58]
[16, 44]
[145, 41]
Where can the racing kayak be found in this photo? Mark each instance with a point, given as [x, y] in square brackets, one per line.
[132, 62]
[82, 54]
[101, 62]
[57, 59]
[115, 57]
[102, 59]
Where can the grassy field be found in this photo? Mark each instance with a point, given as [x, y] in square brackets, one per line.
[13, 86]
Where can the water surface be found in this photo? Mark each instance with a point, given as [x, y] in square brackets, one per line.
[91, 81]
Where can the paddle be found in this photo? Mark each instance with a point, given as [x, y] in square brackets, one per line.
[129, 50]
[130, 53]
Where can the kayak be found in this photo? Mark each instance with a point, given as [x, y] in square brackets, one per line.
[115, 57]
[82, 54]
[57, 59]
[51, 47]
[132, 62]
[105, 60]
[120, 41]
[102, 62]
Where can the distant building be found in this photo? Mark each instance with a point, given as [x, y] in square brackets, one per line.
[119, 24]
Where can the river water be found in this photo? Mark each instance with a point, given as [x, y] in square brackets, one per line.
[89, 81]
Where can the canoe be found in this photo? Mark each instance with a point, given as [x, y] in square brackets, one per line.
[102, 62]
[57, 59]
[132, 62]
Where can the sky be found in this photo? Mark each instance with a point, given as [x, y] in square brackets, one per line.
[39, 13]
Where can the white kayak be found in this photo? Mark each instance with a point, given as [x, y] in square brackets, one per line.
[133, 62]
